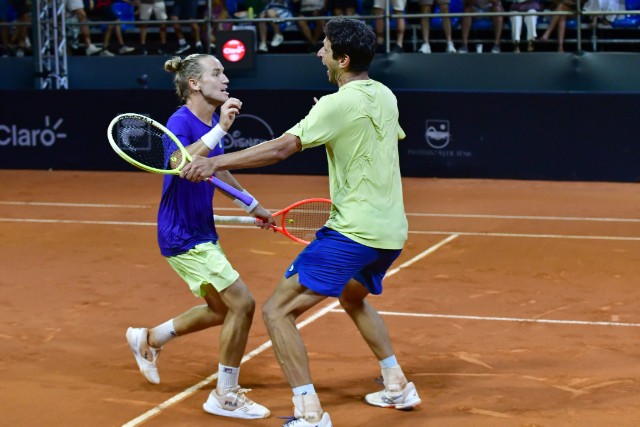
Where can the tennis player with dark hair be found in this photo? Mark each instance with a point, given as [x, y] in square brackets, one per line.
[188, 239]
[368, 227]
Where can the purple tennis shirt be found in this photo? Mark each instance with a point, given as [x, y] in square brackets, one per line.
[185, 215]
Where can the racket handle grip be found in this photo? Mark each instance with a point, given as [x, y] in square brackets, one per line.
[247, 200]
[219, 219]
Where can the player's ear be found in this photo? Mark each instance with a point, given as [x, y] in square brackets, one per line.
[194, 84]
[344, 62]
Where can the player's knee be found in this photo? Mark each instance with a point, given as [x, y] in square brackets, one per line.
[249, 305]
[271, 314]
[268, 312]
[350, 304]
[244, 304]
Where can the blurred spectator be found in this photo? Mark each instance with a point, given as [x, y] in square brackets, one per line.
[310, 8]
[77, 8]
[531, 21]
[559, 21]
[186, 10]
[343, 7]
[104, 11]
[397, 7]
[20, 36]
[604, 5]
[476, 6]
[425, 22]
[280, 9]
[4, 30]
[159, 10]
[218, 11]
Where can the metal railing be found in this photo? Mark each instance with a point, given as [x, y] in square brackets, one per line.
[387, 17]
[40, 47]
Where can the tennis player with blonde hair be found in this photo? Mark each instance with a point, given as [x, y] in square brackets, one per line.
[367, 227]
[188, 240]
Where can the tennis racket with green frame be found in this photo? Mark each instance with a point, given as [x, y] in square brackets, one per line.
[148, 145]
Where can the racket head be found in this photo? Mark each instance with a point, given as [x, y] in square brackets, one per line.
[147, 144]
[301, 220]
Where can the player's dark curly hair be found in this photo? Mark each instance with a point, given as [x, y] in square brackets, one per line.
[354, 38]
[185, 69]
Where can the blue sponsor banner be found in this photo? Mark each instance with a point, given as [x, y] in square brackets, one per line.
[586, 137]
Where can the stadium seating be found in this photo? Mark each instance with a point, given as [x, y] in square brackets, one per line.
[125, 13]
[629, 21]
[454, 7]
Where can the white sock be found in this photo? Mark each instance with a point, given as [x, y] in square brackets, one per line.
[163, 333]
[304, 389]
[227, 378]
[389, 362]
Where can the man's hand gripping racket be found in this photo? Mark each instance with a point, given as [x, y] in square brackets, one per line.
[299, 221]
[150, 146]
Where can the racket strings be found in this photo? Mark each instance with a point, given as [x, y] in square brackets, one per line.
[304, 220]
[146, 144]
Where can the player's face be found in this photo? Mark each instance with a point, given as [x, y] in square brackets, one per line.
[333, 66]
[213, 82]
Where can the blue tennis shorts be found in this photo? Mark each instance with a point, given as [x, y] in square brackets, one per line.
[331, 260]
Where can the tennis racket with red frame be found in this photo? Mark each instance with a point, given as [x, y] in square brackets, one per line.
[299, 221]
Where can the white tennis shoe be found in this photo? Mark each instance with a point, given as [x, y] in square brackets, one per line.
[393, 397]
[234, 404]
[146, 359]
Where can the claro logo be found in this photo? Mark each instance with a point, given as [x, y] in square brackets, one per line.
[16, 136]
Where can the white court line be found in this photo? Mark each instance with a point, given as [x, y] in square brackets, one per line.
[537, 236]
[74, 221]
[527, 217]
[435, 215]
[446, 233]
[503, 319]
[90, 205]
[72, 205]
[191, 390]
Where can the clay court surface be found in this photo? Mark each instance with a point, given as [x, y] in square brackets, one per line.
[514, 303]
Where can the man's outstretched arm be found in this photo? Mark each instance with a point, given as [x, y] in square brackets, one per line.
[267, 153]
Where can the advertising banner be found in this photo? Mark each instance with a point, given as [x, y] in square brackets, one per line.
[585, 137]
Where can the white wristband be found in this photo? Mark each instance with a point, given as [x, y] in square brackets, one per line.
[247, 208]
[213, 137]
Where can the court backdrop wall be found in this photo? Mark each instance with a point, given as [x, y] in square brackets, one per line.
[507, 72]
[546, 136]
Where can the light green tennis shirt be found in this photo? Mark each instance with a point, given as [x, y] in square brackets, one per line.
[358, 125]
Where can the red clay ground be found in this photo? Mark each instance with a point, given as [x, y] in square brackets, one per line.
[525, 262]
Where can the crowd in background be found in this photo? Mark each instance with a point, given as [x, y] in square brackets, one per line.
[178, 26]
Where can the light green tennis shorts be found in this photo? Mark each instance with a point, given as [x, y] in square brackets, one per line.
[205, 263]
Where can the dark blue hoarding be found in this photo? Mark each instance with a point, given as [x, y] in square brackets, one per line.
[555, 136]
